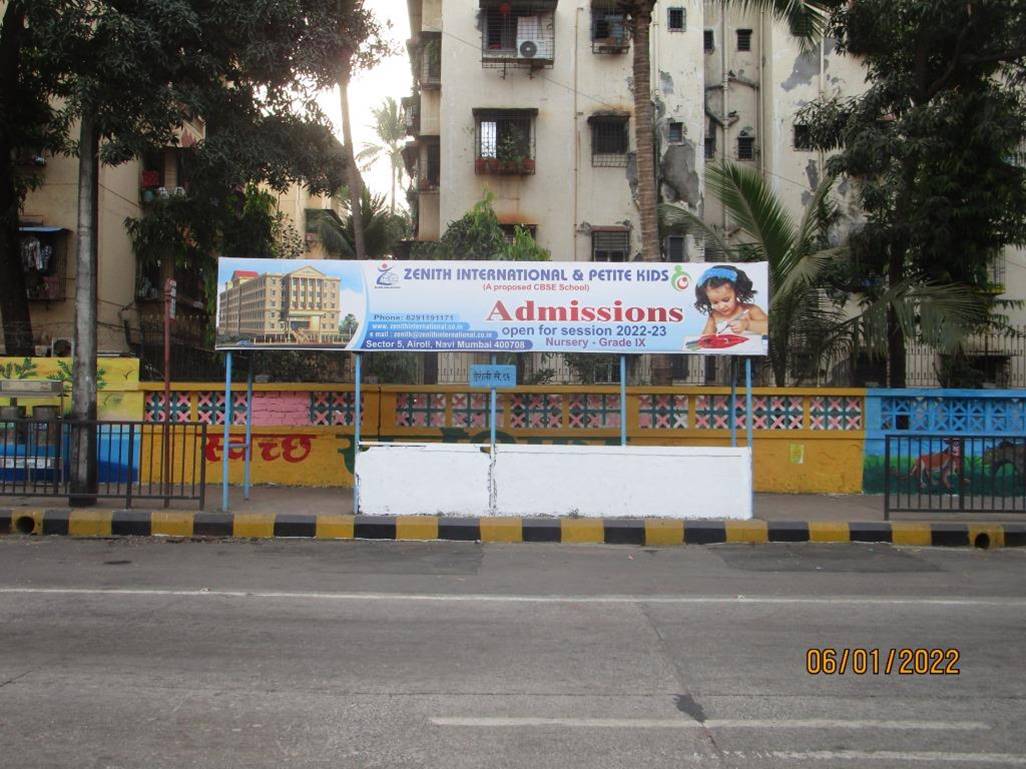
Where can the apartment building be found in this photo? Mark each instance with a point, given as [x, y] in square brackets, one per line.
[531, 100]
[299, 306]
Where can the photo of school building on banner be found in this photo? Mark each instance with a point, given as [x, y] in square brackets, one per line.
[470, 306]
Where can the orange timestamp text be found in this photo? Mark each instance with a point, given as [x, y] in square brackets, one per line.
[909, 661]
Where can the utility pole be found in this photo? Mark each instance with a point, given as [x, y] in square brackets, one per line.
[82, 490]
[170, 301]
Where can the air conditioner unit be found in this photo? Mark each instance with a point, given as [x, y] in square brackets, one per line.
[527, 49]
[534, 37]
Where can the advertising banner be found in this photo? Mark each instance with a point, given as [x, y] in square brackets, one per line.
[470, 306]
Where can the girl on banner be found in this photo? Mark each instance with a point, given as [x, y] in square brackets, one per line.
[725, 294]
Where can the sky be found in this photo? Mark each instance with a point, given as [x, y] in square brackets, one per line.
[369, 89]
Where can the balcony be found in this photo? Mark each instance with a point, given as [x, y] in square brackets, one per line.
[411, 114]
[517, 34]
[429, 55]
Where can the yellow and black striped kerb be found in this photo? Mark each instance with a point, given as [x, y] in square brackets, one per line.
[649, 532]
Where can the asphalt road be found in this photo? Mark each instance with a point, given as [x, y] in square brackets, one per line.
[144, 653]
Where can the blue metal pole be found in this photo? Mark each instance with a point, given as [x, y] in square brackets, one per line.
[249, 429]
[733, 402]
[623, 400]
[491, 414]
[748, 425]
[748, 401]
[227, 430]
[357, 419]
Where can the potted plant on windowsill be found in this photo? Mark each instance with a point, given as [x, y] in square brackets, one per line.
[511, 157]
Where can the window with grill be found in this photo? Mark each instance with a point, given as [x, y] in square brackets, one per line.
[673, 248]
[517, 33]
[802, 137]
[608, 27]
[708, 40]
[745, 148]
[996, 271]
[434, 167]
[675, 19]
[710, 146]
[609, 140]
[676, 133]
[610, 245]
[505, 141]
[744, 39]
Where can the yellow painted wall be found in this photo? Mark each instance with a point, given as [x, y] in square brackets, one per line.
[285, 456]
[120, 397]
[788, 461]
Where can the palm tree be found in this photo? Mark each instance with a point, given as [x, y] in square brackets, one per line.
[354, 182]
[801, 263]
[806, 19]
[381, 229]
[391, 131]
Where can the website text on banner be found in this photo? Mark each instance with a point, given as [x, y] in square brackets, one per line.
[466, 306]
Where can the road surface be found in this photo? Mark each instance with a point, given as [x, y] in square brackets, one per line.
[149, 653]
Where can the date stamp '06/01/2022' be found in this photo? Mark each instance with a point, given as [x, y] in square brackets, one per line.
[908, 661]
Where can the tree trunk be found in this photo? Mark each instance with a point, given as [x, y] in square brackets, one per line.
[644, 135]
[17, 323]
[392, 208]
[355, 181]
[644, 141]
[83, 381]
[896, 374]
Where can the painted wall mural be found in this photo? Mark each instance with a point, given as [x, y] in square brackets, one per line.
[41, 450]
[948, 432]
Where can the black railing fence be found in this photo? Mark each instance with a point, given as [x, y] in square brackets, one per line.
[954, 474]
[133, 460]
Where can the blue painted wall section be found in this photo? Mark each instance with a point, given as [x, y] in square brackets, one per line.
[955, 413]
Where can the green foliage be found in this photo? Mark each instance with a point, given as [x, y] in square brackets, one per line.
[591, 369]
[25, 369]
[390, 368]
[933, 146]
[348, 327]
[391, 132]
[382, 230]
[511, 147]
[478, 235]
[807, 326]
[140, 70]
[189, 232]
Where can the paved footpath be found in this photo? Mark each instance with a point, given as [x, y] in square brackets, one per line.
[168, 653]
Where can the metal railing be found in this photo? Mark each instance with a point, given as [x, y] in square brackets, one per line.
[132, 460]
[954, 474]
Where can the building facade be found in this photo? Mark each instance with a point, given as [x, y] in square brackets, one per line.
[300, 306]
[531, 101]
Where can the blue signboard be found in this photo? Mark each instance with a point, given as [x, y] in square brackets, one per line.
[493, 376]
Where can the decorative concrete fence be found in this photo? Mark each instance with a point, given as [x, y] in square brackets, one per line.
[806, 440]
